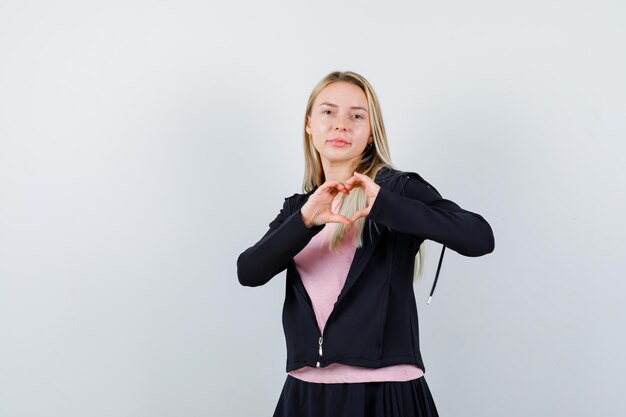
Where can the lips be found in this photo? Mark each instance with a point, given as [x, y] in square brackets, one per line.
[338, 142]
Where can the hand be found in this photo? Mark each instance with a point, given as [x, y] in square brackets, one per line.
[317, 209]
[371, 191]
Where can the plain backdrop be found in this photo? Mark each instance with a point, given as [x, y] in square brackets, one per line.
[145, 144]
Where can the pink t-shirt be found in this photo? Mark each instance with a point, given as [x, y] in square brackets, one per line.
[323, 274]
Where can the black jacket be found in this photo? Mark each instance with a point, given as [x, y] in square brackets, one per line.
[374, 320]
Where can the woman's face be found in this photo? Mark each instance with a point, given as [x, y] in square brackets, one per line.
[339, 123]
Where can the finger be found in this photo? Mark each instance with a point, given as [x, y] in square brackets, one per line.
[335, 185]
[330, 184]
[369, 185]
[363, 178]
[360, 213]
[353, 182]
[333, 190]
[338, 218]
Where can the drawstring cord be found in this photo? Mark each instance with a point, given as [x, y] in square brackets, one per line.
[436, 275]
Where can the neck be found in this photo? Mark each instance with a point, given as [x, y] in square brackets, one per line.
[338, 171]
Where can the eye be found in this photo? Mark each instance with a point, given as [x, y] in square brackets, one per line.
[327, 111]
[359, 116]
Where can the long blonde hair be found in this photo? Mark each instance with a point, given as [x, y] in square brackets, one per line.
[373, 158]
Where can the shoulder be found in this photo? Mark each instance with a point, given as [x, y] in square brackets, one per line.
[397, 177]
[409, 183]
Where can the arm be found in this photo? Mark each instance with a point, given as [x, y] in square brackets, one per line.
[287, 235]
[423, 212]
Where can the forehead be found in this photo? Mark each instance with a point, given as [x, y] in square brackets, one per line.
[342, 94]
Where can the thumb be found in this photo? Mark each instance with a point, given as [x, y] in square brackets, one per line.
[360, 213]
[338, 218]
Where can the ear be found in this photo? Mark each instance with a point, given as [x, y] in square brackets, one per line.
[308, 124]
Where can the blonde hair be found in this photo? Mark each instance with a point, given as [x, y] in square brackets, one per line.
[373, 158]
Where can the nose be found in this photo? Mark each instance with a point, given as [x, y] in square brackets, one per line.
[341, 124]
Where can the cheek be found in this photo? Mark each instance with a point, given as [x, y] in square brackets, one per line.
[365, 130]
[319, 125]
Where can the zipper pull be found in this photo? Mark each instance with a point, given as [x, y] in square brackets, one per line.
[321, 340]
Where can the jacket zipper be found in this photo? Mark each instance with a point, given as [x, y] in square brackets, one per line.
[320, 351]
[321, 338]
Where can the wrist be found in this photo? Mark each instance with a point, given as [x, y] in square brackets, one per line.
[306, 218]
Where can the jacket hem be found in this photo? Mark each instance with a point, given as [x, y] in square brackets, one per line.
[367, 363]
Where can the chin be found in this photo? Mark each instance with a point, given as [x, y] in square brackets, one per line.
[338, 158]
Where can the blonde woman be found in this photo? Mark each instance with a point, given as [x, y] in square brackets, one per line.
[349, 244]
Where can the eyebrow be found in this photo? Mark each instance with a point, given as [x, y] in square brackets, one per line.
[334, 105]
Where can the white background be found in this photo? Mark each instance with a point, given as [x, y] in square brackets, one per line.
[144, 145]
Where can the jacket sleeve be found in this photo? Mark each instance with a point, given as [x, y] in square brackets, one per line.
[422, 212]
[287, 235]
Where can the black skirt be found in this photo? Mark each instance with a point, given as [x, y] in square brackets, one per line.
[366, 399]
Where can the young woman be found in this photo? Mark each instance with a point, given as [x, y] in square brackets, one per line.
[349, 243]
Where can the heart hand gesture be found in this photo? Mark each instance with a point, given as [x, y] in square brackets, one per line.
[317, 209]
